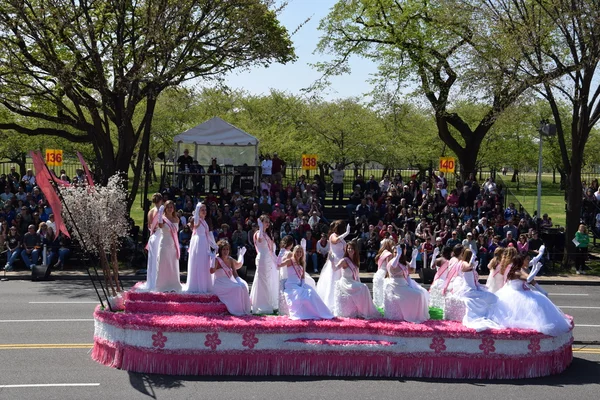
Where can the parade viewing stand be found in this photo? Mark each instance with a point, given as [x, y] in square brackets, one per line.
[235, 151]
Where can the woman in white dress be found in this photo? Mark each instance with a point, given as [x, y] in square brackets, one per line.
[265, 287]
[228, 286]
[479, 302]
[352, 298]
[302, 300]
[404, 299]
[520, 306]
[330, 274]
[285, 247]
[442, 266]
[382, 258]
[202, 244]
[153, 242]
[499, 267]
[167, 274]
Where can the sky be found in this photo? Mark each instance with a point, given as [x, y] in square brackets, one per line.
[293, 77]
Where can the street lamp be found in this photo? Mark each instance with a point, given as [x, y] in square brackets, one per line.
[548, 130]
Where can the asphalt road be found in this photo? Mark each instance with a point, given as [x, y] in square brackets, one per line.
[46, 334]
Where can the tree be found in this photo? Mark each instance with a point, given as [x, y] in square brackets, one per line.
[87, 68]
[439, 48]
[575, 40]
[105, 222]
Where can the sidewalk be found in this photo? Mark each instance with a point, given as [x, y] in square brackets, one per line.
[366, 277]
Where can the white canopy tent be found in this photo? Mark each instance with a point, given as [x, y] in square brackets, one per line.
[218, 139]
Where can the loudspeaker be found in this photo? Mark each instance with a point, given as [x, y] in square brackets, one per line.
[426, 275]
[40, 273]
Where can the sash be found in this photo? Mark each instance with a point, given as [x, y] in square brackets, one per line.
[208, 234]
[353, 268]
[226, 268]
[442, 270]
[298, 269]
[173, 230]
[453, 272]
[270, 246]
[507, 271]
[382, 259]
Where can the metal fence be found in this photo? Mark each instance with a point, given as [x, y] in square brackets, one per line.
[293, 173]
[70, 167]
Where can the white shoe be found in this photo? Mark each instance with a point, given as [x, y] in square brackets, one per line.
[578, 272]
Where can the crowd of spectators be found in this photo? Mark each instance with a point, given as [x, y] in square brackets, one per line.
[27, 222]
[429, 213]
[422, 214]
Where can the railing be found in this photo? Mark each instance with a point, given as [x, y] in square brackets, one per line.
[70, 167]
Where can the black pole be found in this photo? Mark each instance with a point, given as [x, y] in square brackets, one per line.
[145, 202]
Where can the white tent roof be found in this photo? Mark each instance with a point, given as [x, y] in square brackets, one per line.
[216, 132]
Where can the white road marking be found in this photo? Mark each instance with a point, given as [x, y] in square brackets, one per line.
[580, 307]
[587, 326]
[63, 302]
[37, 385]
[568, 294]
[47, 320]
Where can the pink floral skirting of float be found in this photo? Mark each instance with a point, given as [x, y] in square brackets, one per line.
[192, 335]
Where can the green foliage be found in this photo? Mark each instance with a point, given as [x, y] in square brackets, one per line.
[90, 72]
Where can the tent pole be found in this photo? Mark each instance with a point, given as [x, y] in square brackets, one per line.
[174, 183]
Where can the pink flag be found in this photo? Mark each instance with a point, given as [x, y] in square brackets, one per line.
[43, 179]
[58, 180]
[86, 169]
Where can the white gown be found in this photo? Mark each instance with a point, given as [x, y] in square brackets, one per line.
[283, 275]
[233, 293]
[379, 277]
[303, 302]
[495, 280]
[330, 274]
[479, 302]
[404, 299]
[521, 307]
[352, 298]
[153, 249]
[199, 278]
[167, 274]
[436, 290]
[265, 287]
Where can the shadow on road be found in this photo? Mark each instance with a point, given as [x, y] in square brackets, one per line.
[581, 372]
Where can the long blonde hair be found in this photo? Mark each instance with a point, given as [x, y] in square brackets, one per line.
[386, 244]
[494, 262]
[302, 260]
[507, 257]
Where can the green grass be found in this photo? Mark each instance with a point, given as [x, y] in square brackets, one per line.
[553, 200]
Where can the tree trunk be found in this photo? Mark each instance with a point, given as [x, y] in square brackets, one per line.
[468, 162]
[574, 201]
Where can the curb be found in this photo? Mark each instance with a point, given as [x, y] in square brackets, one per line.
[22, 276]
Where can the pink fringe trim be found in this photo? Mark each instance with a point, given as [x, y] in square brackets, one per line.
[254, 363]
[229, 323]
[170, 307]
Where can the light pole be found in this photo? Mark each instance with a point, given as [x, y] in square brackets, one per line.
[548, 130]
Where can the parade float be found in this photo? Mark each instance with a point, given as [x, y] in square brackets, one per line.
[185, 334]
